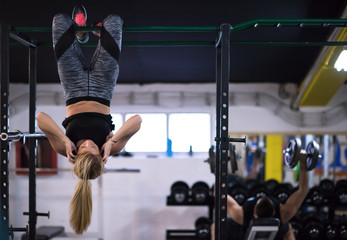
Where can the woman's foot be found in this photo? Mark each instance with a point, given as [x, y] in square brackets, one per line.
[97, 32]
[79, 15]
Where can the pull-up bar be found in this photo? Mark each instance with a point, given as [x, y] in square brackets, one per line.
[302, 23]
[236, 28]
[275, 23]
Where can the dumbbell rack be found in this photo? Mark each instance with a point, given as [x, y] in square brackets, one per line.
[185, 233]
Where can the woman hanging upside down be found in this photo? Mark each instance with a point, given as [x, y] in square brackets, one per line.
[88, 90]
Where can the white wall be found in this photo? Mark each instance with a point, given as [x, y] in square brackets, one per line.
[132, 206]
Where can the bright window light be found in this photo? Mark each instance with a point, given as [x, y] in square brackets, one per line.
[341, 62]
[117, 120]
[152, 136]
[190, 129]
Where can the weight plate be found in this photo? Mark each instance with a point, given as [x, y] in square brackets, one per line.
[212, 160]
[312, 150]
[292, 152]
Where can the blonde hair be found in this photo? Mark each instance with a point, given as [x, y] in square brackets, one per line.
[87, 166]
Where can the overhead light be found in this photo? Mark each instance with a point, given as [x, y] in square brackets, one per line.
[341, 62]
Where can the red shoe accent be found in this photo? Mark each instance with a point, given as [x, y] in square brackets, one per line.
[80, 19]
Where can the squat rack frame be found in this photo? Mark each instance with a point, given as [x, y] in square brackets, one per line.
[222, 101]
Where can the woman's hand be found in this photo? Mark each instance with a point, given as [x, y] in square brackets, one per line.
[106, 150]
[70, 151]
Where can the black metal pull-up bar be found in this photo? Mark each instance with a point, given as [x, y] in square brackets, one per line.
[257, 23]
[236, 28]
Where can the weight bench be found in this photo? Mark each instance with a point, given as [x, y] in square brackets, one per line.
[263, 229]
[46, 233]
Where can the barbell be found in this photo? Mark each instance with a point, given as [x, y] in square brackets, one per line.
[294, 149]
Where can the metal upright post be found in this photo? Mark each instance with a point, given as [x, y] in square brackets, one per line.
[4, 145]
[32, 144]
[222, 136]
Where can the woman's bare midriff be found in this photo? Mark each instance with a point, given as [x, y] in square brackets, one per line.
[87, 106]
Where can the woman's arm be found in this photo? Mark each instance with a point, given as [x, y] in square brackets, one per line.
[292, 205]
[57, 138]
[117, 142]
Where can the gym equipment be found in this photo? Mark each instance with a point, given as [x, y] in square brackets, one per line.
[315, 196]
[200, 192]
[271, 184]
[46, 232]
[282, 192]
[340, 193]
[211, 159]
[331, 231]
[16, 136]
[326, 185]
[263, 228]
[259, 190]
[232, 156]
[327, 188]
[250, 183]
[222, 66]
[312, 150]
[297, 226]
[179, 192]
[239, 192]
[293, 150]
[343, 232]
[203, 228]
[313, 227]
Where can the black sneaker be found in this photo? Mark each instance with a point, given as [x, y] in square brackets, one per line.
[79, 15]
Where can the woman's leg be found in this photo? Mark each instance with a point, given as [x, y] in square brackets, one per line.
[105, 63]
[69, 56]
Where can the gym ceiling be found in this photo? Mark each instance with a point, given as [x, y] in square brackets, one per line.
[250, 63]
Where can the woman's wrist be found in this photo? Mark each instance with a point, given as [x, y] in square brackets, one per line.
[113, 141]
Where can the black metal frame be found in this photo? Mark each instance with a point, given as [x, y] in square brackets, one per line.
[222, 136]
[4, 73]
[6, 230]
[222, 107]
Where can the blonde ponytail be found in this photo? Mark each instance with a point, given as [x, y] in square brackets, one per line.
[87, 166]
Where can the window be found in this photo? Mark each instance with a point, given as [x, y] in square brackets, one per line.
[185, 130]
[190, 129]
[152, 136]
[117, 121]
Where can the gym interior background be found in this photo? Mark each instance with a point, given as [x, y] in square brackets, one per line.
[277, 92]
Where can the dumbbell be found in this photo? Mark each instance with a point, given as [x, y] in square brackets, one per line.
[203, 228]
[200, 192]
[239, 192]
[293, 150]
[343, 232]
[327, 187]
[297, 228]
[330, 231]
[342, 227]
[180, 192]
[313, 228]
[282, 192]
[259, 190]
[315, 196]
[250, 183]
[271, 184]
[340, 192]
